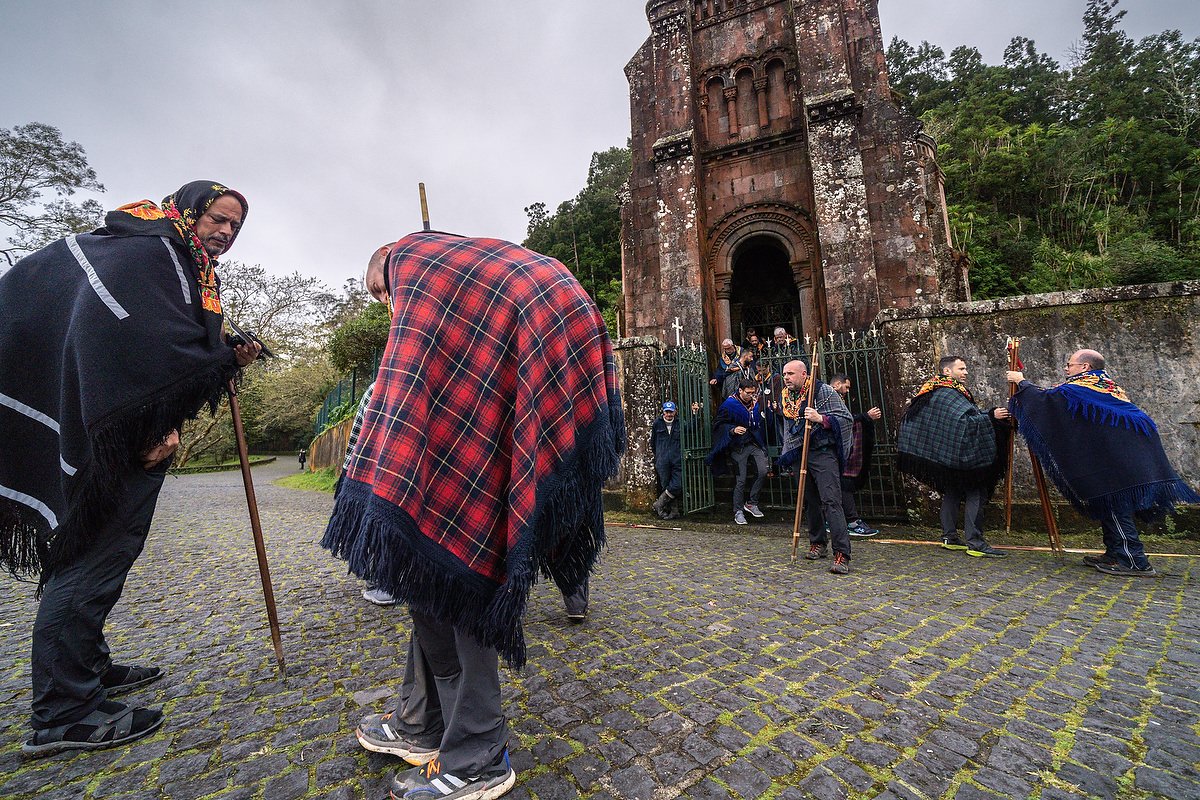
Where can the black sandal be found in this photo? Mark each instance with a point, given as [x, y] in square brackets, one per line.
[109, 725]
[119, 679]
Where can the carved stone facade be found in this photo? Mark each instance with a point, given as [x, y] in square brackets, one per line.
[775, 180]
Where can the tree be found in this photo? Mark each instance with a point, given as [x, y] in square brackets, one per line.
[585, 233]
[290, 314]
[36, 165]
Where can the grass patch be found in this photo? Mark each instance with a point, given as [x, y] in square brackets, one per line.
[199, 466]
[323, 480]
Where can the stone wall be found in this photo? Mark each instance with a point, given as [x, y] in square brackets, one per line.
[1148, 335]
[634, 485]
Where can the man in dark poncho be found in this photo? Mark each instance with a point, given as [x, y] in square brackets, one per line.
[1104, 454]
[458, 492]
[947, 442]
[739, 437]
[828, 444]
[108, 342]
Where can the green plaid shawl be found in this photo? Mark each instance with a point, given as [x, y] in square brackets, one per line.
[948, 443]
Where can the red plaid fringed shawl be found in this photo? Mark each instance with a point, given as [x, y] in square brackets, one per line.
[494, 421]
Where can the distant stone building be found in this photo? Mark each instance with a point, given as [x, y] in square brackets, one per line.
[775, 180]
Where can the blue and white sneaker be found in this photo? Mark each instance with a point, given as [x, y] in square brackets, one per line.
[861, 530]
[430, 783]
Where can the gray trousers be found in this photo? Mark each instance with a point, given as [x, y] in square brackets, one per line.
[450, 697]
[69, 652]
[741, 459]
[823, 495]
[972, 518]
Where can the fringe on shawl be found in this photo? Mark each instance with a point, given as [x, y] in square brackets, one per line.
[27, 549]
[383, 545]
[1105, 409]
[1150, 501]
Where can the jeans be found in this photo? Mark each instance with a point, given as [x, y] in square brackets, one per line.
[741, 459]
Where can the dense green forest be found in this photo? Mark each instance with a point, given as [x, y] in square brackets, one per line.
[585, 233]
[1062, 177]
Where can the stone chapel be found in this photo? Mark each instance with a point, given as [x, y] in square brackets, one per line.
[775, 179]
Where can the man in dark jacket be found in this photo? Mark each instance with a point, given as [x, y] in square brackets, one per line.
[668, 461]
[829, 442]
[947, 442]
[108, 342]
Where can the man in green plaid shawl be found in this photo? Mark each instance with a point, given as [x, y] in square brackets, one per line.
[948, 443]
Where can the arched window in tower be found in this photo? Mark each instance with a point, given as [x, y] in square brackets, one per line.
[718, 111]
[779, 105]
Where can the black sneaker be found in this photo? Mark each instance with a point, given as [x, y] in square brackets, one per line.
[1124, 571]
[430, 783]
[817, 551]
[376, 733]
[986, 552]
[1095, 561]
[953, 543]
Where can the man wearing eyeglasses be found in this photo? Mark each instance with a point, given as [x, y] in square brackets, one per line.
[1104, 454]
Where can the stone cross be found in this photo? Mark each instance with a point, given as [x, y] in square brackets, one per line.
[678, 330]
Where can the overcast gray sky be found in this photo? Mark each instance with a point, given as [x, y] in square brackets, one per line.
[326, 115]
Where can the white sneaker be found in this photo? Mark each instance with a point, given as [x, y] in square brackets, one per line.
[379, 597]
[739, 517]
[753, 510]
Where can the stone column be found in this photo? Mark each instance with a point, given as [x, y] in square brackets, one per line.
[760, 91]
[724, 324]
[833, 113]
[731, 104]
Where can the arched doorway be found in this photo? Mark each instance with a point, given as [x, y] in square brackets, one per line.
[763, 293]
[762, 260]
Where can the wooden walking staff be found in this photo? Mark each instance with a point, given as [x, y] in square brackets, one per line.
[1039, 478]
[812, 384]
[424, 207]
[264, 571]
[1014, 362]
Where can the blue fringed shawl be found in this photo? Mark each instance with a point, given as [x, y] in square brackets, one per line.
[1103, 453]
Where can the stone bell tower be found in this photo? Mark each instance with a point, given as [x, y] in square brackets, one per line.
[775, 180]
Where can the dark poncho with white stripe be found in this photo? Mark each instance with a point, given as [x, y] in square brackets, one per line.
[104, 349]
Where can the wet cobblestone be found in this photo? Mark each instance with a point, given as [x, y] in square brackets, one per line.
[709, 667]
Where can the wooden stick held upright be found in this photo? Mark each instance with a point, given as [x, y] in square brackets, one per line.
[424, 207]
[812, 384]
[264, 571]
[1014, 344]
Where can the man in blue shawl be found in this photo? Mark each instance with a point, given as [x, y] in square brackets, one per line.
[1104, 455]
[738, 434]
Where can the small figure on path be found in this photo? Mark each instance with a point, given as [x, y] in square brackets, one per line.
[109, 341]
[302, 458]
[1104, 454]
[740, 436]
[948, 443]
[458, 494]
[828, 444]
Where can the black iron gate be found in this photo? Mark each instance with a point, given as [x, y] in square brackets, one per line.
[860, 357]
[683, 378]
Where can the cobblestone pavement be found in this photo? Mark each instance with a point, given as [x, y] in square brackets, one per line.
[710, 667]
